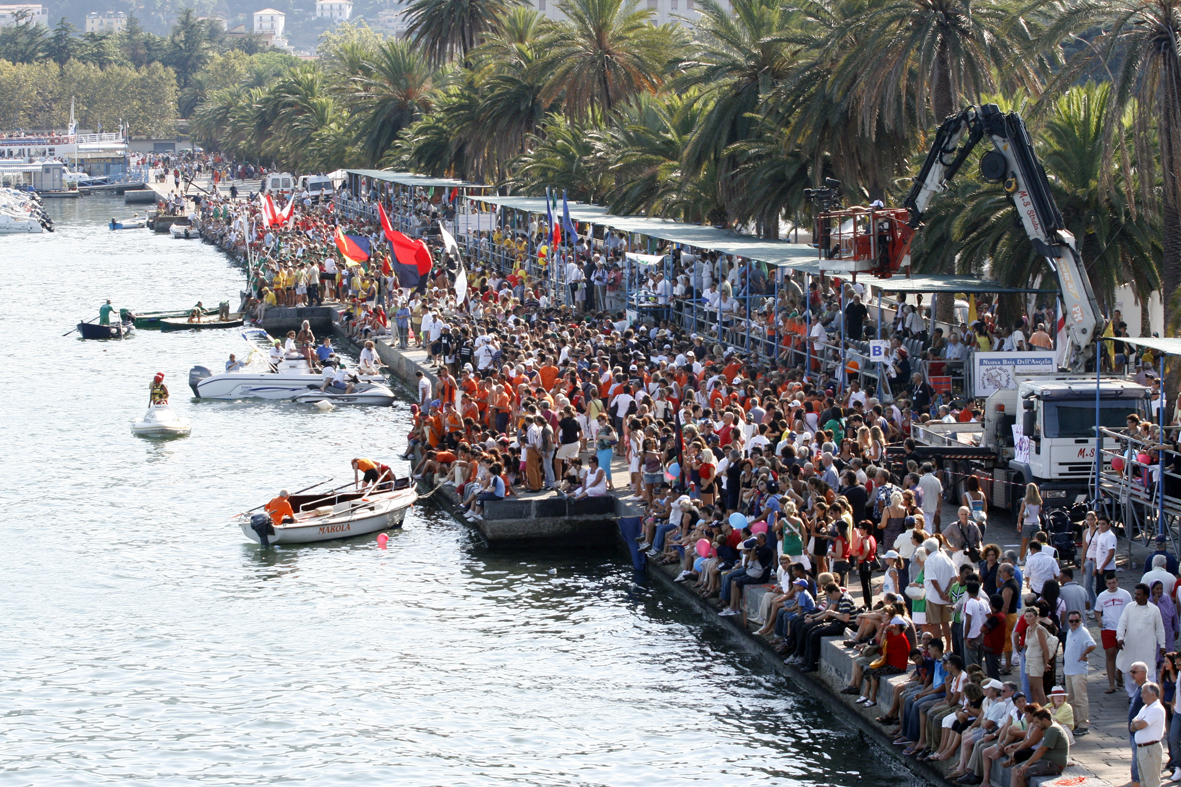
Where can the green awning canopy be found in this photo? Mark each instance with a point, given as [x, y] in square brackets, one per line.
[1166, 346]
[932, 282]
[410, 179]
[772, 252]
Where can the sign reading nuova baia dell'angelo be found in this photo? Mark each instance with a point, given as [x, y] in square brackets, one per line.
[994, 372]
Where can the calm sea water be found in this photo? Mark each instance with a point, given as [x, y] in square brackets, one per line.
[145, 641]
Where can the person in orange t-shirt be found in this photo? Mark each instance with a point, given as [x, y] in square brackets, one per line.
[548, 374]
[280, 508]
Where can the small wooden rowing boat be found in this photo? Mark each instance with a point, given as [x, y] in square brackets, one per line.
[90, 330]
[152, 319]
[333, 515]
[235, 320]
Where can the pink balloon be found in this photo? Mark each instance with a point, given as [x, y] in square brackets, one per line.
[758, 527]
[1143, 459]
[703, 547]
[382, 540]
[1117, 464]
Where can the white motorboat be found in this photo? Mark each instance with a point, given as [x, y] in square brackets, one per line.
[369, 394]
[161, 421]
[184, 232]
[259, 380]
[331, 516]
[21, 212]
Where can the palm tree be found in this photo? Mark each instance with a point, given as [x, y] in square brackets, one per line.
[446, 29]
[739, 58]
[393, 93]
[918, 61]
[508, 81]
[603, 54]
[1139, 40]
[561, 157]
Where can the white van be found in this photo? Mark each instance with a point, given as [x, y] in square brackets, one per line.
[319, 187]
[279, 184]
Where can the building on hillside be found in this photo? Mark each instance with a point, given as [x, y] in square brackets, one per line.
[221, 20]
[34, 12]
[336, 10]
[269, 22]
[110, 22]
[392, 21]
[663, 11]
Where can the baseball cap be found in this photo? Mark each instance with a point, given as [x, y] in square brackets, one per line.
[898, 620]
[996, 684]
[891, 554]
[800, 583]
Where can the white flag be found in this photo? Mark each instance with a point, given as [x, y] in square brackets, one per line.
[460, 284]
[449, 241]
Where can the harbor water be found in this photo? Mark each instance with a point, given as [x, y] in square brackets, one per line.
[146, 642]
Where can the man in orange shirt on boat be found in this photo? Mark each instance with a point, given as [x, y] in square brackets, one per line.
[280, 508]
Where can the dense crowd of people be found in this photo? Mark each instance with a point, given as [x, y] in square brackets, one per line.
[753, 475]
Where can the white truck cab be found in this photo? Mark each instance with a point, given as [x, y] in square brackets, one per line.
[319, 187]
[279, 184]
[1054, 447]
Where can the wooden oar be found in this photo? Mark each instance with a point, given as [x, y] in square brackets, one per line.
[67, 333]
[296, 492]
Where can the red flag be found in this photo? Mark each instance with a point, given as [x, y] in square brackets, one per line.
[349, 247]
[385, 266]
[268, 210]
[385, 220]
[288, 212]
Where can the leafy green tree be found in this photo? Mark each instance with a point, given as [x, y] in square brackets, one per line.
[190, 45]
[914, 62]
[740, 57]
[24, 41]
[62, 45]
[100, 49]
[603, 54]
[562, 157]
[139, 46]
[1139, 47]
[447, 29]
[392, 94]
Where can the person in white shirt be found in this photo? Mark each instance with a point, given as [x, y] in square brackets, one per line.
[1039, 567]
[663, 289]
[938, 574]
[1102, 552]
[1018, 338]
[368, 359]
[956, 350]
[932, 495]
[1109, 608]
[1148, 731]
[1079, 644]
[1140, 636]
[1160, 574]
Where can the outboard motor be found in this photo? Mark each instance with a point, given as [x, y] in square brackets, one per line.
[196, 375]
[262, 525]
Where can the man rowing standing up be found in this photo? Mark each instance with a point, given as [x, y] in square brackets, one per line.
[158, 391]
[280, 508]
[104, 313]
